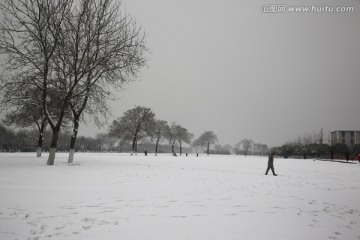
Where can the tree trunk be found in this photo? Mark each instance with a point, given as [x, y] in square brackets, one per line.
[73, 141]
[71, 156]
[172, 148]
[39, 146]
[156, 147]
[41, 138]
[180, 149]
[53, 145]
[133, 145]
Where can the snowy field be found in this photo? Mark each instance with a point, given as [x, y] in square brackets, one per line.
[117, 196]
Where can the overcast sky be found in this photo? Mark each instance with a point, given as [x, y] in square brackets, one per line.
[228, 67]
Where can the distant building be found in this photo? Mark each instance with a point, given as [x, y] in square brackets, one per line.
[349, 138]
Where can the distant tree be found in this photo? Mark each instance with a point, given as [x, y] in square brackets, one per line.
[87, 144]
[244, 146]
[158, 132]
[205, 141]
[26, 118]
[287, 150]
[11, 140]
[223, 150]
[339, 150]
[171, 135]
[260, 149]
[23, 139]
[7, 139]
[323, 150]
[308, 138]
[27, 111]
[102, 139]
[183, 136]
[134, 123]
[228, 148]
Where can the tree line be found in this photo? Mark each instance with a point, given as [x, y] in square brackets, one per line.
[25, 140]
[312, 145]
[137, 126]
[140, 123]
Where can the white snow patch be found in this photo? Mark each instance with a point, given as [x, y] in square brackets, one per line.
[118, 196]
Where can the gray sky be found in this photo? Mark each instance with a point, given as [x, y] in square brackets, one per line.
[228, 67]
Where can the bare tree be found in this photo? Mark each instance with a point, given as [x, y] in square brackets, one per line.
[30, 34]
[158, 133]
[77, 48]
[133, 124]
[177, 133]
[246, 145]
[91, 104]
[183, 136]
[171, 135]
[103, 48]
[206, 140]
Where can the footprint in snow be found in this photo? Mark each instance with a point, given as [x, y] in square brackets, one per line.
[59, 228]
[89, 220]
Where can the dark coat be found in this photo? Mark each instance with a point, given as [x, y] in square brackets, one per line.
[271, 160]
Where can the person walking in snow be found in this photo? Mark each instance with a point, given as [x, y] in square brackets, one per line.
[271, 164]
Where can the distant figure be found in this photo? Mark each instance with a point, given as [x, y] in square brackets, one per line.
[186, 154]
[271, 164]
[174, 155]
[358, 157]
[197, 155]
[145, 153]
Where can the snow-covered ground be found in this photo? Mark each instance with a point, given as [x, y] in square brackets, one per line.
[118, 196]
